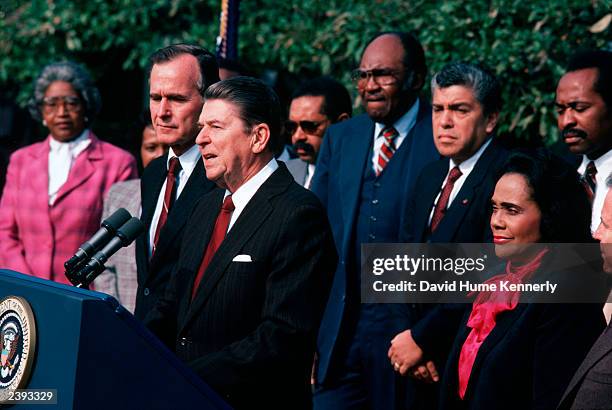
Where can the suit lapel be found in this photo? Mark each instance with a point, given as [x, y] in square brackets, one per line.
[153, 178]
[428, 196]
[602, 346]
[83, 168]
[250, 220]
[502, 325]
[356, 154]
[38, 176]
[465, 196]
[195, 187]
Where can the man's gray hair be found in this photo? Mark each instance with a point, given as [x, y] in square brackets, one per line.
[481, 80]
[75, 75]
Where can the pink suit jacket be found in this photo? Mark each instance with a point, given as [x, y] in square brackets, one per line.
[37, 238]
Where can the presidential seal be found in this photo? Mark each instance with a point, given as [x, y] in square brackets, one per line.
[18, 338]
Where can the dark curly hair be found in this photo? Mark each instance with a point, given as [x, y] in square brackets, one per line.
[557, 190]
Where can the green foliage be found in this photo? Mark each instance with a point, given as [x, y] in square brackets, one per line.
[525, 43]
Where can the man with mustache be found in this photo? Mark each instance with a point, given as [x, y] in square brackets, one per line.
[366, 171]
[584, 107]
[591, 386]
[315, 105]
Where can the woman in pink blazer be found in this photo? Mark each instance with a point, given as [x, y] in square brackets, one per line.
[52, 200]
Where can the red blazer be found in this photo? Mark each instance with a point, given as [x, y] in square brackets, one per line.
[37, 238]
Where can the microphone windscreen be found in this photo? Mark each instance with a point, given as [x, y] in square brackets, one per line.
[117, 219]
[130, 230]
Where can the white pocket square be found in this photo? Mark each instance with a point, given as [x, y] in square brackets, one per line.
[242, 258]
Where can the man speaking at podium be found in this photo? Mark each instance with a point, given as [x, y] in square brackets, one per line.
[244, 304]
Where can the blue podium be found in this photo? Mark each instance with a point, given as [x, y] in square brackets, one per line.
[96, 355]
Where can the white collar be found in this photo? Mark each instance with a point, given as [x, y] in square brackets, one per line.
[82, 139]
[188, 159]
[466, 166]
[403, 125]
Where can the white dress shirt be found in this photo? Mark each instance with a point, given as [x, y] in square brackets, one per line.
[310, 170]
[604, 167]
[243, 195]
[403, 126]
[188, 161]
[61, 158]
[466, 167]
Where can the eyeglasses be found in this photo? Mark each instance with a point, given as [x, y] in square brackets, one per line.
[381, 76]
[70, 103]
[309, 127]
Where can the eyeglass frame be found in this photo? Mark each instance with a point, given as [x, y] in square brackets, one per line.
[292, 126]
[69, 102]
[375, 74]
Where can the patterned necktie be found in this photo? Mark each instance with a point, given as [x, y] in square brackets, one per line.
[221, 225]
[588, 180]
[386, 150]
[169, 196]
[442, 204]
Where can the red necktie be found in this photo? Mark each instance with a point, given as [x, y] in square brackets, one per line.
[221, 224]
[588, 180]
[386, 150]
[173, 169]
[440, 209]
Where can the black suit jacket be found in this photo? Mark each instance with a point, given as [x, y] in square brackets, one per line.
[154, 274]
[466, 221]
[250, 331]
[591, 386]
[528, 359]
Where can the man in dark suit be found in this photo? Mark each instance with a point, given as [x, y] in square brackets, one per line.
[173, 183]
[452, 196]
[315, 105]
[255, 264]
[591, 386]
[366, 171]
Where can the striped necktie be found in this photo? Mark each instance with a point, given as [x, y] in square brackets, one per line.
[588, 180]
[386, 150]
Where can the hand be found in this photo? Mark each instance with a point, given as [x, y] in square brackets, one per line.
[404, 352]
[425, 372]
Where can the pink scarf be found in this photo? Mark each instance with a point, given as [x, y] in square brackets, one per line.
[485, 309]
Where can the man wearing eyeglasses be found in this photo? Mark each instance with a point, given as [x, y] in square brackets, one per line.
[315, 105]
[366, 171]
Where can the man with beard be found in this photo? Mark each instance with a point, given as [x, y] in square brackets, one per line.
[315, 105]
[584, 107]
[366, 173]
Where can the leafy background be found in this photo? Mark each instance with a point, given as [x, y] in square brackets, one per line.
[525, 43]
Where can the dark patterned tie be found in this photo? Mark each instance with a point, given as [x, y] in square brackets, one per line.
[442, 204]
[221, 225]
[169, 195]
[386, 150]
[588, 180]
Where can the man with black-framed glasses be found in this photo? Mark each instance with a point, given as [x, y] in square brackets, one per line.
[366, 172]
[315, 105]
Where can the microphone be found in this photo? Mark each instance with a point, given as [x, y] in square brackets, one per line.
[105, 233]
[125, 235]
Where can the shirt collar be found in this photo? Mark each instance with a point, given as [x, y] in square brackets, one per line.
[403, 125]
[55, 145]
[188, 159]
[466, 166]
[600, 162]
[243, 195]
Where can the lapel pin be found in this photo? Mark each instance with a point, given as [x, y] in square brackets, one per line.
[465, 201]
